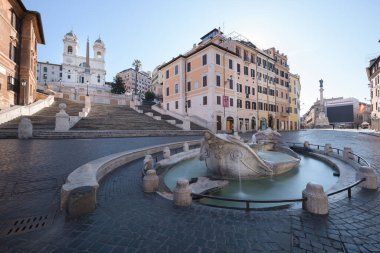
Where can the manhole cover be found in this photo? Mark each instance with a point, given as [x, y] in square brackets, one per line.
[24, 225]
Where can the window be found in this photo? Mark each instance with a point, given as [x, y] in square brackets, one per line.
[167, 91]
[45, 69]
[239, 87]
[167, 74]
[13, 53]
[265, 90]
[167, 106]
[245, 70]
[60, 74]
[260, 105]
[68, 77]
[238, 68]
[252, 73]
[188, 86]
[98, 78]
[176, 104]
[99, 54]
[69, 49]
[254, 105]
[253, 91]
[239, 103]
[204, 81]
[259, 89]
[217, 80]
[230, 64]
[231, 84]
[188, 103]
[247, 105]
[231, 102]
[176, 88]
[205, 100]
[265, 107]
[238, 51]
[204, 59]
[218, 100]
[217, 59]
[176, 70]
[188, 67]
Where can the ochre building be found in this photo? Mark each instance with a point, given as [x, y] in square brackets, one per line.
[229, 83]
[21, 31]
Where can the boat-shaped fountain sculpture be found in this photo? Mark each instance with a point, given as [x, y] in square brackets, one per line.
[228, 157]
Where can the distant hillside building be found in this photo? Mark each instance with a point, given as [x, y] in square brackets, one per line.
[21, 31]
[75, 69]
[373, 74]
[144, 80]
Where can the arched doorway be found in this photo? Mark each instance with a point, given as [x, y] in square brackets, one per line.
[253, 123]
[229, 124]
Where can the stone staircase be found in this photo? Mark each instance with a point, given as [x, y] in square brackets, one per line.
[148, 109]
[44, 119]
[107, 117]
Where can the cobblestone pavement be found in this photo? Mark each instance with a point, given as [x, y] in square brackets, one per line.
[127, 220]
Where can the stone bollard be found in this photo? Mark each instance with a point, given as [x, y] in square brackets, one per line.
[347, 153]
[81, 201]
[182, 193]
[317, 201]
[150, 181]
[328, 149]
[186, 124]
[62, 119]
[185, 147]
[25, 129]
[166, 153]
[87, 102]
[306, 145]
[369, 174]
[148, 163]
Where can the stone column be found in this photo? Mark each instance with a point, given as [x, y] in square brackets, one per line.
[148, 163]
[328, 149]
[369, 174]
[306, 145]
[185, 146]
[87, 102]
[186, 124]
[347, 153]
[62, 119]
[150, 181]
[166, 153]
[25, 129]
[182, 193]
[317, 201]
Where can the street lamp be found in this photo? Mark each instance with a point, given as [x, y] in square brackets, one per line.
[87, 87]
[60, 83]
[23, 84]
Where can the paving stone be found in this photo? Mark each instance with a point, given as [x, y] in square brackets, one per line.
[126, 220]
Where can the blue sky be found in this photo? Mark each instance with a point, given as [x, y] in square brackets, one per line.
[332, 40]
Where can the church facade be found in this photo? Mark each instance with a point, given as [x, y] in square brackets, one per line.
[75, 69]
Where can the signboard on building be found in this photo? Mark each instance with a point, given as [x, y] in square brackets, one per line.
[225, 101]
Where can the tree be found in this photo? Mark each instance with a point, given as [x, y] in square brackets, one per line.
[149, 95]
[117, 86]
[137, 64]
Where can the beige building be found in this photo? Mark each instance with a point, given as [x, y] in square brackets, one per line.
[294, 101]
[143, 81]
[227, 79]
[373, 74]
[21, 31]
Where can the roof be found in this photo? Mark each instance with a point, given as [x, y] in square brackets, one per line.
[37, 15]
[212, 31]
[131, 69]
[200, 48]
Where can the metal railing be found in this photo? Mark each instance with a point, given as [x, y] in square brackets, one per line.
[348, 188]
[360, 160]
[247, 201]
